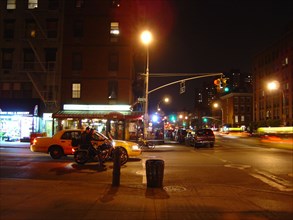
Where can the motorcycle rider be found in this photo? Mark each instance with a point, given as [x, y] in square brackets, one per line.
[86, 139]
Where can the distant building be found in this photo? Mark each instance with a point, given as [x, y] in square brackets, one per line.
[236, 109]
[274, 107]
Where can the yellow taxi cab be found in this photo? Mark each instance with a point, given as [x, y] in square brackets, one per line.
[60, 144]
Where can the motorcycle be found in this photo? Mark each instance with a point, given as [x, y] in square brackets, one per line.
[96, 153]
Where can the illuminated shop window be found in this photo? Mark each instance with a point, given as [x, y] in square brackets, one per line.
[76, 90]
[11, 4]
[32, 4]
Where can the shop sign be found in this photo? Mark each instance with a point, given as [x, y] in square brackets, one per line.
[14, 113]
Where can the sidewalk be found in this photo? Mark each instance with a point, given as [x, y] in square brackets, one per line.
[35, 199]
[15, 144]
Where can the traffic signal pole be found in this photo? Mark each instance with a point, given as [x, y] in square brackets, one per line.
[187, 79]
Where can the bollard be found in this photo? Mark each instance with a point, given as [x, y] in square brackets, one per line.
[116, 167]
[155, 173]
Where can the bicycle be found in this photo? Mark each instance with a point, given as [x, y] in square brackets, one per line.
[143, 143]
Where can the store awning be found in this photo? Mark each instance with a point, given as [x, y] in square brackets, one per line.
[96, 114]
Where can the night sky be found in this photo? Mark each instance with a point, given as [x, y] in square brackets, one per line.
[209, 36]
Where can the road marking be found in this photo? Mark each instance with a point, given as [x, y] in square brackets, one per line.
[271, 180]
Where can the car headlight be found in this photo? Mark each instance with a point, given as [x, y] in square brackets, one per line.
[113, 143]
[135, 147]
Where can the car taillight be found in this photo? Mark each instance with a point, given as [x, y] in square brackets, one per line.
[34, 141]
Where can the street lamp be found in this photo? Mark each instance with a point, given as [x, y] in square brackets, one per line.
[216, 105]
[146, 38]
[165, 100]
[275, 85]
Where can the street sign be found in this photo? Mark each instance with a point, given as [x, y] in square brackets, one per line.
[141, 99]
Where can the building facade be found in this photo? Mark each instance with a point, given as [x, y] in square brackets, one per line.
[236, 109]
[273, 81]
[64, 52]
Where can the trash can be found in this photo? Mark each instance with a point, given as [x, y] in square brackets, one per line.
[155, 173]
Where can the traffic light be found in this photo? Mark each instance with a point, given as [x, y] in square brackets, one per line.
[205, 120]
[221, 84]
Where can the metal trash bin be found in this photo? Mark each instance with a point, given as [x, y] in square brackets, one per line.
[155, 173]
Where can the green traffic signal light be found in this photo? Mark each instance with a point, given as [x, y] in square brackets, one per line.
[226, 89]
[205, 120]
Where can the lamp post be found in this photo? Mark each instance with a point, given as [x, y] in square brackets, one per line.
[166, 100]
[275, 85]
[146, 38]
[216, 105]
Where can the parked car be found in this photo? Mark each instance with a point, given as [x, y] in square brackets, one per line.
[60, 144]
[204, 136]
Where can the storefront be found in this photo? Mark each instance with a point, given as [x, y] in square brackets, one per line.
[18, 118]
[119, 120]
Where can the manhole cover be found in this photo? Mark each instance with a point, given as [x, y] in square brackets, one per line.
[174, 188]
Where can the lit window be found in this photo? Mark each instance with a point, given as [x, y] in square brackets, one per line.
[242, 118]
[31, 28]
[236, 118]
[75, 90]
[32, 4]
[11, 4]
[114, 28]
[112, 89]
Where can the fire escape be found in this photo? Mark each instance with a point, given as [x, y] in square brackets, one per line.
[40, 63]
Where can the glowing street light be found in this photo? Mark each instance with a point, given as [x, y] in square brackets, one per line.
[216, 105]
[146, 38]
[165, 100]
[275, 85]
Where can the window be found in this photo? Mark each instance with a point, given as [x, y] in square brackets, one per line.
[52, 28]
[76, 90]
[113, 62]
[242, 118]
[7, 58]
[30, 28]
[112, 89]
[28, 59]
[9, 26]
[114, 28]
[76, 61]
[236, 118]
[114, 31]
[11, 4]
[32, 4]
[79, 3]
[78, 29]
[5, 90]
[53, 4]
[17, 93]
[50, 54]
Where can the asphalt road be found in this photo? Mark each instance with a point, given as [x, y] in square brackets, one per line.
[255, 173]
